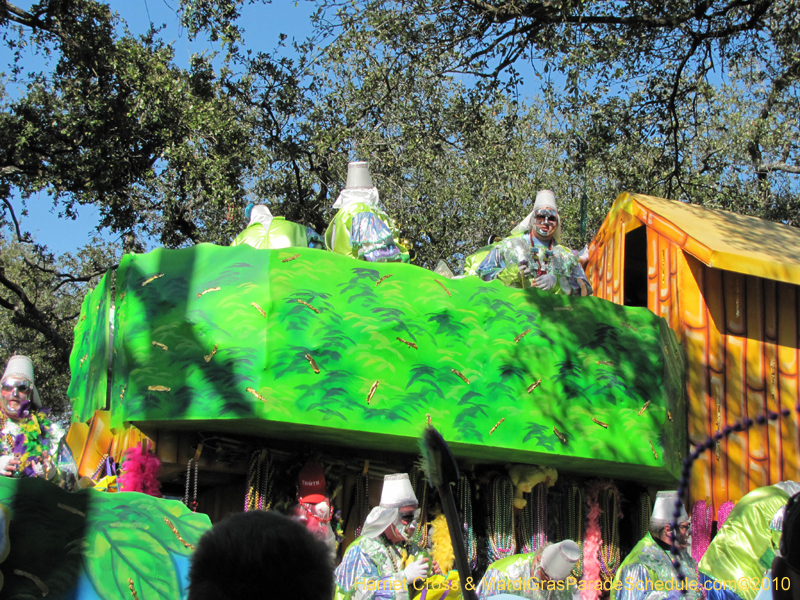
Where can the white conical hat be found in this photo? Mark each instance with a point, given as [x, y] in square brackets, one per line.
[359, 187]
[559, 559]
[358, 176]
[664, 508]
[21, 367]
[397, 492]
[545, 199]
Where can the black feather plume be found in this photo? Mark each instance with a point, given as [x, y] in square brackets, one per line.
[437, 461]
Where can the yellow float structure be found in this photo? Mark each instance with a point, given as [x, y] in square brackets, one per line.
[727, 284]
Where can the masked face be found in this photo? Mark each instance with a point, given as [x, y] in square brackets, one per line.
[680, 535]
[545, 221]
[321, 511]
[682, 539]
[406, 521]
[16, 398]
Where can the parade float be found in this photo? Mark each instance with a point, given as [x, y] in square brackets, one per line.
[235, 365]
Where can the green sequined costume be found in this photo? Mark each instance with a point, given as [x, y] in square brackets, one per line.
[516, 575]
[281, 234]
[363, 230]
[647, 574]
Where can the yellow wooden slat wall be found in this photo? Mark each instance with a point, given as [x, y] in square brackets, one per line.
[771, 384]
[755, 381]
[716, 381]
[787, 386]
[741, 336]
[702, 412]
[735, 389]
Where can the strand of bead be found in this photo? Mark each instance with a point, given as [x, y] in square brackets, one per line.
[645, 512]
[701, 529]
[193, 505]
[253, 474]
[188, 482]
[610, 555]
[500, 521]
[723, 513]
[527, 526]
[270, 474]
[394, 555]
[464, 493]
[533, 519]
[702, 520]
[267, 468]
[263, 479]
[575, 524]
[540, 492]
[362, 501]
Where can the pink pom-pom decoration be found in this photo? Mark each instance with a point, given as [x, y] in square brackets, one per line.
[140, 472]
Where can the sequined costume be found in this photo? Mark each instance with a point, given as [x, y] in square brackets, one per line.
[516, 575]
[502, 262]
[647, 568]
[372, 568]
[364, 231]
[474, 260]
[278, 233]
[745, 546]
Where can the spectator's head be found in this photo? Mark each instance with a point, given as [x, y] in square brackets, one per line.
[260, 554]
[786, 565]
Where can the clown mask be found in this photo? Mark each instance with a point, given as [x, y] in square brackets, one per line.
[406, 523]
[16, 398]
[545, 222]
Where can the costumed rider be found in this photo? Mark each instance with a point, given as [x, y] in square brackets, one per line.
[314, 508]
[533, 255]
[540, 575]
[376, 563]
[746, 545]
[647, 573]
[361, 228]
[27, 444]
[267, 231]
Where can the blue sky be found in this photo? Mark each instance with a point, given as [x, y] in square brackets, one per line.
[263, 24]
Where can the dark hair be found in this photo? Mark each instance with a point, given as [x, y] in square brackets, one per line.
[260, 554]
[790, 533]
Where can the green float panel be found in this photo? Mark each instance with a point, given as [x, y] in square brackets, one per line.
[230, 339]
[88, 362]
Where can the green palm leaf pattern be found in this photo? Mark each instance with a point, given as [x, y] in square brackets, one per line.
[241, 335]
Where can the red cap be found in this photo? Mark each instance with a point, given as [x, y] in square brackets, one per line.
[311, 483]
